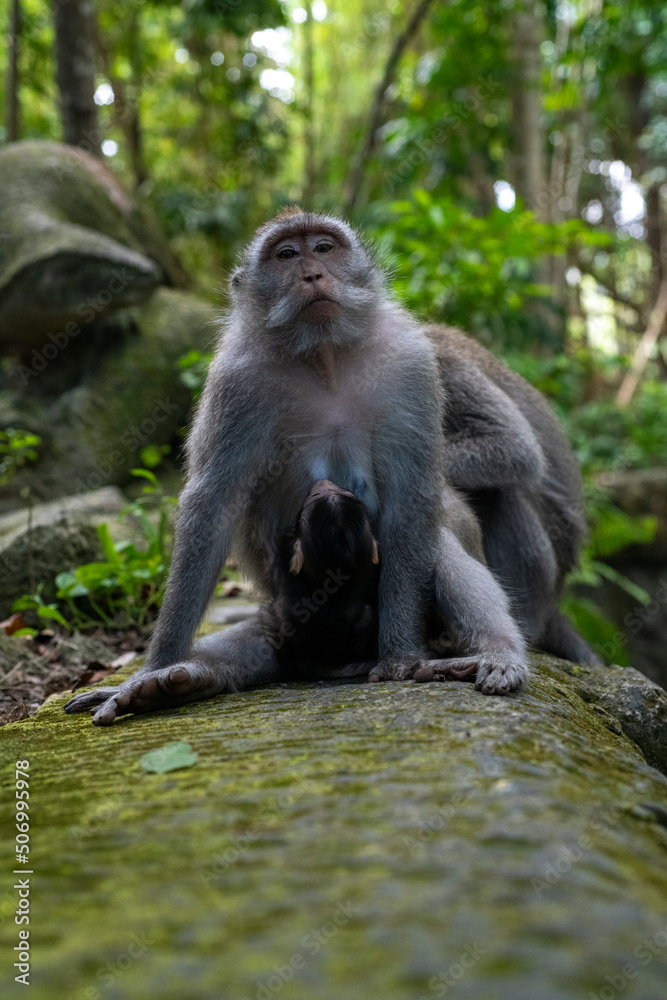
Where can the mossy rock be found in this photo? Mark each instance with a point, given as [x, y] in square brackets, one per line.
[39, 555]
[136, 397]
[93, 434]
[73, 244]
[65, 243]
[346, 842]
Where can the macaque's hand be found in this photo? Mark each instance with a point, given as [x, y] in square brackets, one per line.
[148, 690]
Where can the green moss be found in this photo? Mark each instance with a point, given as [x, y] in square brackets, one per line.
[375, 832]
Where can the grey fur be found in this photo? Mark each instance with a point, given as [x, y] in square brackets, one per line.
[357, 398]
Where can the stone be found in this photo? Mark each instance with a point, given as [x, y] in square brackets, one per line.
[341, 841]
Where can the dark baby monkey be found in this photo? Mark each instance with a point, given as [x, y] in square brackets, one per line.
[321, 375]
[323, 619]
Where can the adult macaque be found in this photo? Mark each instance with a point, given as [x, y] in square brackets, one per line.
[319, 367]
[507, 453]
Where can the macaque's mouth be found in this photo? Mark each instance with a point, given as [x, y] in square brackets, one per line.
[318, 310]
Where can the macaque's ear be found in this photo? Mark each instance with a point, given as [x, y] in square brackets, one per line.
[375, 558]
[237, 277]
[296, 563]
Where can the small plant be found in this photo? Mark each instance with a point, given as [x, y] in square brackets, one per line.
[612, 530]
[194, 366]
[127, 587]
[17, 447]
[34, 602]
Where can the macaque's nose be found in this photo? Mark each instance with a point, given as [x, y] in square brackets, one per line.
[311, 276]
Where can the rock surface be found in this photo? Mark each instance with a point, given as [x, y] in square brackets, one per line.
[347, 842]
[53, 537]
[69, 234]
[93, 321]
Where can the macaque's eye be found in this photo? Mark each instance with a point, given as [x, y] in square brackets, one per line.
[324, 247]
[286, 253]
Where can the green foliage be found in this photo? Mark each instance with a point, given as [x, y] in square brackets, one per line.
[611, 531]
[634, 437]
[153, 454]
[17, 447]
[193, 367]
[478, 273]
[127, 587]
[46, 612]
[604, 436]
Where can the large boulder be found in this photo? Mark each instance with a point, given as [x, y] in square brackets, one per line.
[93, 320]
[93, 433]
[73, 245]
[345, 842]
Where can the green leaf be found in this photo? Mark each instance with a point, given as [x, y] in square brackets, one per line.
[170, 757]
[609, 573]
[50, 611]
[147, 474]
[107, 544]
[73, 590]
[25, 603]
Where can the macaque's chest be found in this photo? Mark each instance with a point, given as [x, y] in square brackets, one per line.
[329, 433]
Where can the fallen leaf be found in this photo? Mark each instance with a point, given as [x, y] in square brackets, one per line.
[14, 714]
[170, 757]
[13, 623]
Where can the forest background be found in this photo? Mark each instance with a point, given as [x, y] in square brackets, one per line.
[508, 158]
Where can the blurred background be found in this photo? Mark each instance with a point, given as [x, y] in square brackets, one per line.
[509, 159]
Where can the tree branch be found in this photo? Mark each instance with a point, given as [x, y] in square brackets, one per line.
[645, 346]
[356, 174]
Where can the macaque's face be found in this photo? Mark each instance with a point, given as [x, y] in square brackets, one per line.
[309, 278]
[310, 267]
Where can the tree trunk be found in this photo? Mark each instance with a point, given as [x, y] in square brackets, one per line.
[13, 78]
[645, 347]
[530, 161]
[308, 130]
[75, 74]
[126, 105]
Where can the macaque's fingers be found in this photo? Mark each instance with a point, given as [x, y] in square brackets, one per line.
[462, 668]
[88, 699]
[393, 670]
[500, 673]
[157, 689]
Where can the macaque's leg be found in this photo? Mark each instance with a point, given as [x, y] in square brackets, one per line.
[519, 552]
[233, 659]
[561, 638]
[473, 602]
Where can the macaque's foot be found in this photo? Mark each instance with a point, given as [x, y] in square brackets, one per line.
[394, 669]
[497, 673]
[462, 668]
[150, 690]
